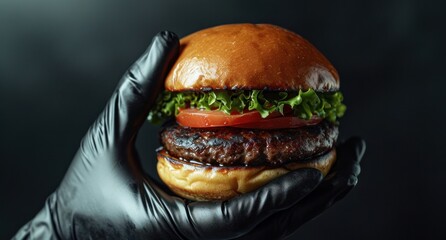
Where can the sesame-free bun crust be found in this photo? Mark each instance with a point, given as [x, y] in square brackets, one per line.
[250, 56]
[203, 182]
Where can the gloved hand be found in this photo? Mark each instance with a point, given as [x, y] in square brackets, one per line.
[105, 193]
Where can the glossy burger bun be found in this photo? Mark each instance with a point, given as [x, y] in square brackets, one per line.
[250, 56]
[204, 183]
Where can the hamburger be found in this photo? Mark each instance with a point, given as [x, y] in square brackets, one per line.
[251, 102]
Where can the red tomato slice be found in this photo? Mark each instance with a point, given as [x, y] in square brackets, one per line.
[192, 117]
[196, 118]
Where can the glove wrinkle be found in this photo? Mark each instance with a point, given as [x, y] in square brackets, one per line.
[191, 223]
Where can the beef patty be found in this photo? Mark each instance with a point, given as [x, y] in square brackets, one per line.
[249, 147]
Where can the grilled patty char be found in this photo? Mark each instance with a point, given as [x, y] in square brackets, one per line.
[248, 147]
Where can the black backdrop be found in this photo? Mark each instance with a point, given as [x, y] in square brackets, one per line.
[60, 61]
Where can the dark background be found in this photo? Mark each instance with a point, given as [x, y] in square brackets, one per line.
[60, 61]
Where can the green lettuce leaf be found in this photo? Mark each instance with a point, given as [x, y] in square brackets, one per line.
[303, 104]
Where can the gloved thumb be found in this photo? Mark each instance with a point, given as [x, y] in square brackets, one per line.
[137, 91]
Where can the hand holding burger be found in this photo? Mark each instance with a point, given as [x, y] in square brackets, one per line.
[105, 193]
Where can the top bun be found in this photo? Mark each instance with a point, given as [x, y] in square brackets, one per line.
[250, 56]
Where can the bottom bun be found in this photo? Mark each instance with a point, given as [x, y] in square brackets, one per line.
[200, 182]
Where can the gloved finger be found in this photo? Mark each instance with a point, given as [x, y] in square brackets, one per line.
[339, 182]
[136, 93]
[286, 222]
[343, 179]
[349, 155]
[237, 216]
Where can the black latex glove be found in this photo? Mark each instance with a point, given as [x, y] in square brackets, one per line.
[105, 193]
